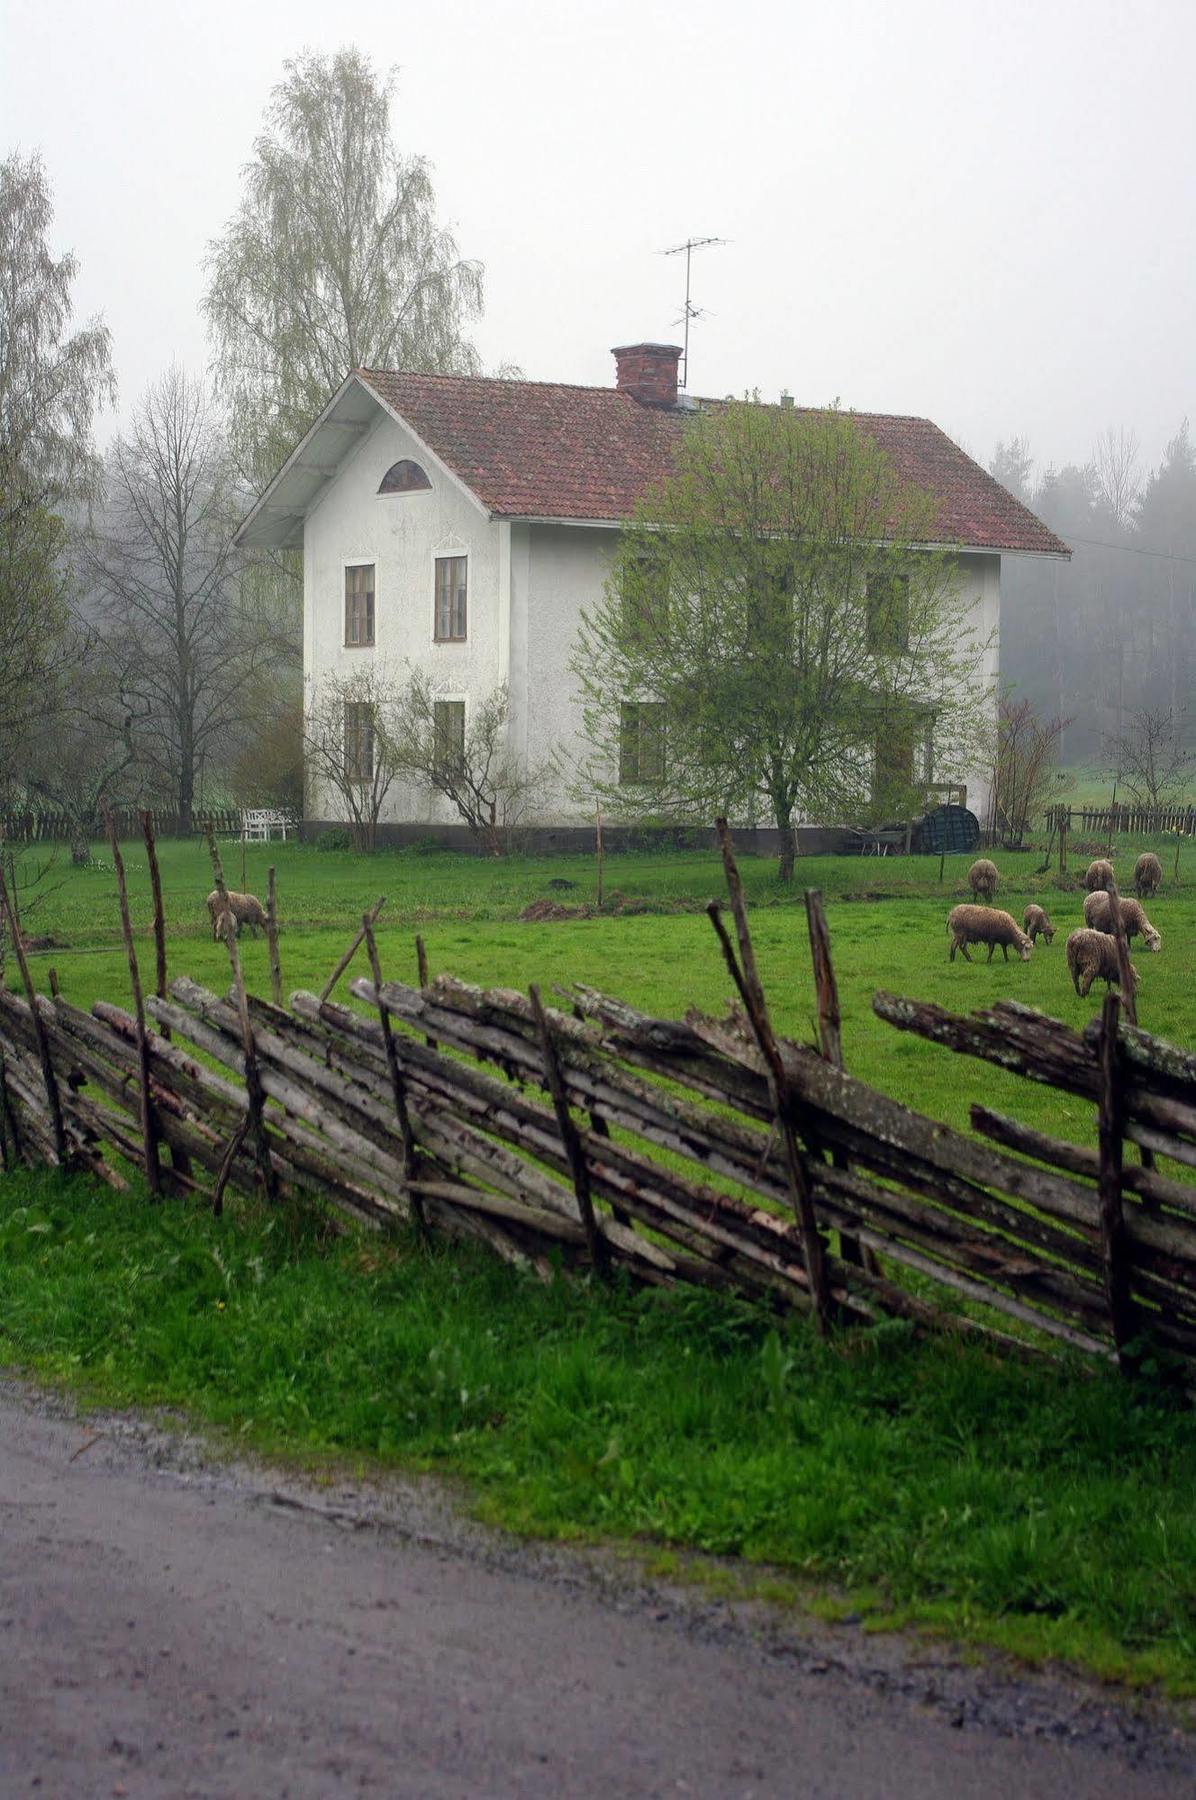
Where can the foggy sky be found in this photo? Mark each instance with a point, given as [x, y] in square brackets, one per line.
[980, 212]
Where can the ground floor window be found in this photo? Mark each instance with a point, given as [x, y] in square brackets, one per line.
[359, 741]
[641, 742]
[448, 719]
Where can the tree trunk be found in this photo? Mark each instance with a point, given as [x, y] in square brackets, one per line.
[788, 846]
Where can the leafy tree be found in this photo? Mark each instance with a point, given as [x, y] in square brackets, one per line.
[52, 381]
[773, 639]
[174, 617]
[335, 260]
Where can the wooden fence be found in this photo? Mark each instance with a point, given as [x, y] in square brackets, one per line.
[1103, 821]
[53, 826]
[701, 1150]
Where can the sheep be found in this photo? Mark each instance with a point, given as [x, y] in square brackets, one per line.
[1092, 956]
[1035, 920]
[1148, 873]
[985, 925]
[246, 909]
[1099, 875]
[983, 878]
[1098, 915]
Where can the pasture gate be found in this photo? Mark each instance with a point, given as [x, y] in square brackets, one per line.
[698, 1150]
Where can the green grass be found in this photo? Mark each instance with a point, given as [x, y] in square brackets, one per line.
[1050, 1513]
[887, 920]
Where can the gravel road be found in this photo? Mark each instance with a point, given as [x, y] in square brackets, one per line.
[173, 1624]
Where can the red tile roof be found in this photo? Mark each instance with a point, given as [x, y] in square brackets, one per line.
[546, 450]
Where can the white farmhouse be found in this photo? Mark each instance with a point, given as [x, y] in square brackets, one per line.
[461, 524]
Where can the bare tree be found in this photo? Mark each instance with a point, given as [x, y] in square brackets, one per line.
[186, 637]
[81, 751]
[349, 743]
[334, 260]
[1151, 755]
[52, 382]
[464, 755]
[1027, 772]
[1118, 474]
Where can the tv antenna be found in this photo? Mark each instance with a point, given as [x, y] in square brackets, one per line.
[691, 311]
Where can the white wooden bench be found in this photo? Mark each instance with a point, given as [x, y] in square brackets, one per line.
[259, 823]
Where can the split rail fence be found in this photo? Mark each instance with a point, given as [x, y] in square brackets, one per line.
[590, 1135]
[1104, 821]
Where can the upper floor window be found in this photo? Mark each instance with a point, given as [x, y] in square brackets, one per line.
[359, 604]
[404, 477]
[887, 613]
[641, 741]
[645, 592]
[451, 584]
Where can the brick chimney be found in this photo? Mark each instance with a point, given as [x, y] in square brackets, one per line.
[648, 372]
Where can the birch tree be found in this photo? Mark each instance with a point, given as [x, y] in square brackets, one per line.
[52, 382]
[334, 260]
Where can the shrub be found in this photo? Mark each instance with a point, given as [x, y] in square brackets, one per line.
[335, 838]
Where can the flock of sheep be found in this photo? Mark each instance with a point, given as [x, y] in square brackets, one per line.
[1091, 950]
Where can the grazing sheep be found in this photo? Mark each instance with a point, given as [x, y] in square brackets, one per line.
[983, 878]
[1148, 873]
[1092, 956]
[1035, 920]
[246, 909]
[985, 925]
[1098, 915]
[1100, 875]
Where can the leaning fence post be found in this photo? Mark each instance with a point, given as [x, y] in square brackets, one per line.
[149, 1127]
[398, 1085]
[39, 1027]
[1115, 1244]
[354, 947]
[255, 1093]
[272, 938]
[751, 992]
[571, 1139]
[830, 1040]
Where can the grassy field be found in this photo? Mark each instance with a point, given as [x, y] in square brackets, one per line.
[1047, 1512]
[651, 946]
[1051, 1514]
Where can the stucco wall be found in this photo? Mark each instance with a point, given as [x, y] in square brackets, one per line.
[401, 534]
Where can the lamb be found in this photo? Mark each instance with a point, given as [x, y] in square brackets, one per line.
[1035, 920]
[1100, 875]
[1098, 915]
[1148, 873]
[985, 925]
[246, 909]
[983, 878]
[1092, 956]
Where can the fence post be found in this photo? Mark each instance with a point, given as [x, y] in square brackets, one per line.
[149, 1124]
[254, 1091]
[398, 1085]
[53, 1101]
[751, 993]
[570, 1138]
[830, 1041]
[1114, 1242]
[354, 947]
[272, 939]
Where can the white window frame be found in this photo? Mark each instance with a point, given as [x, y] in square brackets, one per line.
[439, 554]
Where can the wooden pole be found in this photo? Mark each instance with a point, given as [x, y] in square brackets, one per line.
[752, 994]
[354, 947]
[599, 851]
[272, 938]
[151, 856]
[421, 964]
[398, 1084]
[574, 1150]
[1114, 1243]
[149, 1130]
[830, 1041]
[253, 1080]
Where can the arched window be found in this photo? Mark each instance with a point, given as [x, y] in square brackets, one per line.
[405, 477]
